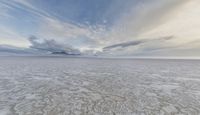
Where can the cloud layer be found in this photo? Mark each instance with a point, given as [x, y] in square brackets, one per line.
[116, 28]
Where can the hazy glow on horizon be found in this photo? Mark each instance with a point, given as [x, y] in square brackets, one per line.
[92, 25]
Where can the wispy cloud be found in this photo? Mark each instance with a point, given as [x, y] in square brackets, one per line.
[137, 28]
[83, 36]
[8, 36]
[27, 6]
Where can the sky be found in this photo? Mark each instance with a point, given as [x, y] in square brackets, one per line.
[142, 28]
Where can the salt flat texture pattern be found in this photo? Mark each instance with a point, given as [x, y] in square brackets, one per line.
[76, 86]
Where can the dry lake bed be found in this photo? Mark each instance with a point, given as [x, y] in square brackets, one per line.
[89, 86]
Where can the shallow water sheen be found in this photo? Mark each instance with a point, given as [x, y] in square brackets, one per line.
[75, 86]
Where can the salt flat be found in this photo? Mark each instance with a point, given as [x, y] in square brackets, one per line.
[86, 86]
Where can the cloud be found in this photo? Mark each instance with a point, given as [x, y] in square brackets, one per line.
[75, 34]
[11, 49]
[123, 45]
[137, 28]
[4, 12]
[40, 47]
[146, 15]
[26, 6]
[79, 36]
[11, 37]
[51, 46]
[151, 20]
[143, 42]
[182, 22]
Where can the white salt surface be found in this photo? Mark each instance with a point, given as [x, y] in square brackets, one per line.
[83, 86]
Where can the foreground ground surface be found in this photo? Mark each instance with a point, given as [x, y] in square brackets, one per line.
[75, 86]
